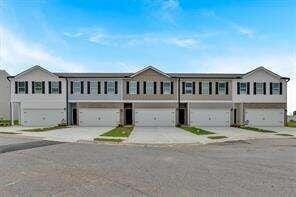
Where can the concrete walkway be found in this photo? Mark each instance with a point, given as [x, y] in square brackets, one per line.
[161, 135]
[282, 130]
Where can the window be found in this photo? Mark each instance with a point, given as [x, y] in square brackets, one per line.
[222, 88]
[275, 88]
[55, 89]
[188, 88]
[133, 87]
[243, 88]
[166, 87]
[37, 87]
[111, 87]
[21, 87]
[77, 87]
[205, 87]
[259, 88]
[149, 87]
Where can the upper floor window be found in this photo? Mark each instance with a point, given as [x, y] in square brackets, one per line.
[37, 87]
[54, 87]
[259, 88]
[205, 87]
[243, 88]
[188, 88]
[149, 87]
[111, 87]
[166, 87]
[21, 89]
[77, 87]
[132, 87]
[275, 88]
[222, 88]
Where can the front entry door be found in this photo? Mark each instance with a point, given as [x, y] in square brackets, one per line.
[128, 116]
[74, 116]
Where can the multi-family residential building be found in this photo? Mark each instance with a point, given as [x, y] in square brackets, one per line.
[4, 96]
[150, 97]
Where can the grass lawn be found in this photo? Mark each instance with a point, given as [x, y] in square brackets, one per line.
[256, 129]
[196, 131]
[291, 124]
[284, 134]
[108, 140]
[217, 137]
[119, 132]
[6, 123]
[7, 132]
[46, 128]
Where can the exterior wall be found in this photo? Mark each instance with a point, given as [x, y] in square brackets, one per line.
[260, 76]
[204, 97]
[5, 95]
[150, 75]
[94, 97]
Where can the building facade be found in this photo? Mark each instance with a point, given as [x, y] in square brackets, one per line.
[149, 97]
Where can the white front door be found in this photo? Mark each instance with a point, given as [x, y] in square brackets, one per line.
[210, 117]
[98, 117]
[43, 117]
[264, 117]
[155, 117]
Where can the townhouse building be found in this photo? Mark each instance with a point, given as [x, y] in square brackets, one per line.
[150, 97]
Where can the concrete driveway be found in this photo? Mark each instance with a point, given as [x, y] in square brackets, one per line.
[239, 134]
[72, 134]
[161, 135]
[282, 130]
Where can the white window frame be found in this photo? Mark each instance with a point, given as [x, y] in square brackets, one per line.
[21, 90]
[166, 90]
[55, 87]
[243, 90]
[222, 90]
[37, 87]
[275, 90]
[205, 88]
[150, 87]
[110, 87]
[133, 87]
[76, 87]
[259, 90]
[93, 87]
[188, 90]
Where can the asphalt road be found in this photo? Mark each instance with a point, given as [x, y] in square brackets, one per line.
[252, 168]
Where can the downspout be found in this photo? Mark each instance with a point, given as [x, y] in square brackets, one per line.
[179, 103]
[10, 104]
[67, 101]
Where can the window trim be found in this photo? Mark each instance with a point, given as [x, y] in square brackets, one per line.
[110, 82]
[219, 88]
[275, 89]
[52, 88]
[18, 87]
[203, 89]
[152, 87]
[163, 89]
[78, 88]
[131, 88]
[257, 88]
[240, 88]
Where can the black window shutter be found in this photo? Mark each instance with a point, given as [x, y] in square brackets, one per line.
[210, 87]
[248, 88]
[264, 88]
[200, 87]
[227, 88]
[183, 87]
[105, 87]
[33, 87]
[116, 87]
[127, 87]
[26, 83]
[43, 87]
[71, 88]
[144, 87]
[172, 87]
[238, 87]
[99, 87]
[217, 88]
[155, 87]
[138, 87]
[88, 87]
[82, 87]
[16, 87]
[49, 87]
[161, 87]
[270, 88]
[281, 88]
[254, 88]
[60, 87]
[193, 87]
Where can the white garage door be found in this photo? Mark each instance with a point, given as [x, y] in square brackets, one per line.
[98, 117]
[155, 117]
[264, 117]
[43, 117]
[210, 117]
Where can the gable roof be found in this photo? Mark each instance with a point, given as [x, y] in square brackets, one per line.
[150, 68]
[37, 67]
[261, 68]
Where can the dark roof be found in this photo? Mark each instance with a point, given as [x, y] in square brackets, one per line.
[206, 75]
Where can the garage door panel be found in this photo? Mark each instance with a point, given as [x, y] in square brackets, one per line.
[42, 117]
[155, 117]
[99, 117]
[210, 117]
[264, 117]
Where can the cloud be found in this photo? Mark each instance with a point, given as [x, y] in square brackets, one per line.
[17, 54]
[184, 42]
